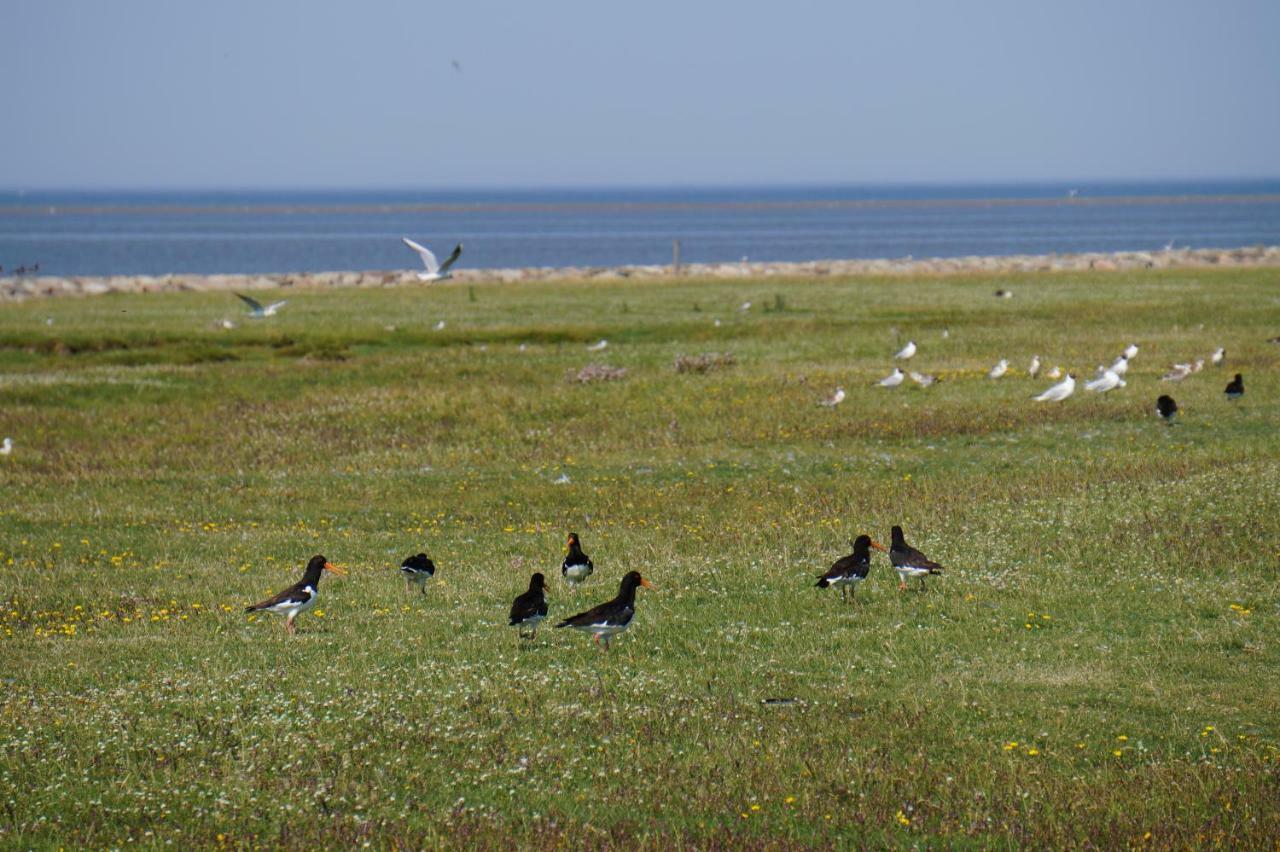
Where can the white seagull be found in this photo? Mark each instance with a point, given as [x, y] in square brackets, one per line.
[257, 310]
[436, 271]
[6, 447]
[1034, 369]
[1055, 373]
[1131, 350]
[922, 379]
[597, 347]
[893, 379]
[1060, 391]
[1120, 366]
[907, 352]
[1001, 367]
[1109, 380]
[1218, 356]
[744, 307]
[835, 399]
[1176, 373]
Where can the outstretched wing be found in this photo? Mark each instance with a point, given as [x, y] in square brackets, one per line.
[453, 256]
[428, 259]
[253, 304]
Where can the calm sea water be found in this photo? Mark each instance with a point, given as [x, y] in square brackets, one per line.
[156, 233]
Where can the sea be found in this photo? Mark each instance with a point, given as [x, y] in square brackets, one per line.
[158, 233]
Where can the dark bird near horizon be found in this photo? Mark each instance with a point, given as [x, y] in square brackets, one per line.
[909, 562]
[299, 597]
[1235, 388]
[529, 608]
[848, 571]
[610, 618]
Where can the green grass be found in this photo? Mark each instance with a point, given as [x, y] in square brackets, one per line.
[1099, 665]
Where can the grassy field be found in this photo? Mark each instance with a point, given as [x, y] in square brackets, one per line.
[1100, 663]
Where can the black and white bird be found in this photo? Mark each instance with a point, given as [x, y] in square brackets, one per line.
[530, 608]
[1166, 408]
[909, 562]
[893, 379]
[417, 570]
[1109, 380]
[257, 310]
[1235, 388]
[576, 566]
[434, 270]
[1120, 366]
[609, 619]
[848, 571]
[299, 597]
[1130, 351]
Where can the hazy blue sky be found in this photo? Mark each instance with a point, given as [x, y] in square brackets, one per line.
[329, 93]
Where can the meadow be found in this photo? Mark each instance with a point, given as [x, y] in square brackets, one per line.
[1099, 664]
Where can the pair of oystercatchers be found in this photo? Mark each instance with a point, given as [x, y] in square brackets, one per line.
[1167, 408]
[299, 597]
[849, 571]
[603, 622]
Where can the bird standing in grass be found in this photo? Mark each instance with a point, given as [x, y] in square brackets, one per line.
[1034, 369]
[1060, 391]
[893, 379]
[909, 562]
[835, 399]
[907, 352]
[417, 570]
[1166, 408]
[576, 566]
[1219, 355]
[1001, 367]
[299, 597]
[529, 608]
[1131, 350]
[1109, 380]
[1235, 388]
[848, 571]
[7, 447]
[609, 619]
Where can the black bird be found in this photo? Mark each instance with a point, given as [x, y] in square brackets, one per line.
[529, 608]
[612, 617]
[418, 569]
[1166, 408]
[577, 565]
[849, 571]
[299, 597]
[1235, 388]
[909, 562]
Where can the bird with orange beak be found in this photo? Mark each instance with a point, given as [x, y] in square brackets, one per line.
[577, 565]
[849, 571]
[609, 619]
[299, 597]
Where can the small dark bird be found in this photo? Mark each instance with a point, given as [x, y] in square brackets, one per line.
[612, 617]
[299, 597]
[1235, 388]
[577, 565]
[1166, 408]
[418, 569]
[849, 571]
[909, 562]
[529, 608]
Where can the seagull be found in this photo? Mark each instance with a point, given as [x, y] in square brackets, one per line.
[257, 310]
[744, 307]
[1168, 246]
[907, 352]
[7, 447]
[1198, 365]
[1001, 367]
[892, 380]
[1060, 391]
[922, 379]
[1055, 373]
[1035, 366]
[1219, 355]
[418, 570]
[436, 271]
[1131, 350]
[299, 597]
[1235, 388]
[946, 333]
[598, 347]
[1177, 373]
[528, 609]
[439, 326]
[1166, 408]
[1120, 366]
[835, 399]
[1109, 380]
[562, 479]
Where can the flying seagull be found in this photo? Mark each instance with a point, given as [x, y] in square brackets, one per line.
[257, 310]
[1060, 391]
[436, 271]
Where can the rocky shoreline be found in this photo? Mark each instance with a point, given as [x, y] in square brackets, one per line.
[18, 289]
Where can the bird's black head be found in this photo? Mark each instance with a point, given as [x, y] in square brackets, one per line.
[318, 565]
[537, 583]
[573, 542]
[862, 545]
[419, 562]
[633, 579]
[898, 538]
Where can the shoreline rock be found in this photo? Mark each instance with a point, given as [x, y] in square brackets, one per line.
[47, 286]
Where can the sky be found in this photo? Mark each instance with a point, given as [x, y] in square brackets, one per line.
[273, 94]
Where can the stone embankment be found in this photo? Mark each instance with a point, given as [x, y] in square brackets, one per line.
[1252, 256]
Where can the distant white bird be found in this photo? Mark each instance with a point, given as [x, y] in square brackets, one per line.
[1001, 367]
[1060, 391]
[744, 307]
[1131, 350]
[1120, 366]
[227, 325]
[1218, 356]
[922, 379]
[1176, 373]
[435, 271]
[1109, 380]
[835, 399]
[1055, 373]
[1168, 246]
[563, 479]
[946, 333]
[1004, 294]
[6, 447]
[893, 379]
[597, 347]
[1034, 369]
[907, 352]
[439, 326]
[257, 310]
[1198, 365]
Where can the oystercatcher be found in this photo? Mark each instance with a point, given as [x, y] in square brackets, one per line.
[299, 597]
[609, 619]
[1166, 408]
[576, 566]
[529, 608]
[849, 571]
[418, 569]
[1235, 388]
[909, 562]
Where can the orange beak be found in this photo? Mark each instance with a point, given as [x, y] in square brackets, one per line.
[878, 546]
[646, 583]
[335, 569]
